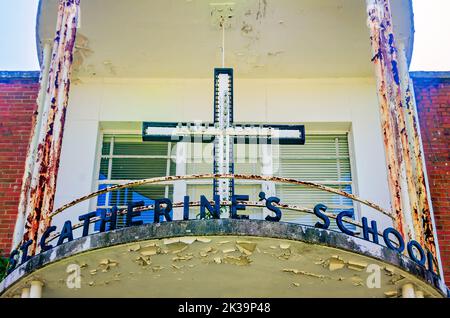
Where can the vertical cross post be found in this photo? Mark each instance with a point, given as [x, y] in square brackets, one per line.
[223, 120]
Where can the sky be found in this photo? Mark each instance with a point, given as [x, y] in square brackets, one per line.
[431, 40]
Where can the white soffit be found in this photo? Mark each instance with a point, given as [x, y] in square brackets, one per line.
[177, 39]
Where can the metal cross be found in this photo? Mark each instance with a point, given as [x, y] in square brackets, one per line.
[223, 133]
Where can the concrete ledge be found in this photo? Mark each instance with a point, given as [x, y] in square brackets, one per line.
[224, 227]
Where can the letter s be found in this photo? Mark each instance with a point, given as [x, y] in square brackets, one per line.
[271, 207]
[318, 212]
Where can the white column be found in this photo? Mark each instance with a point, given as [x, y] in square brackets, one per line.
[36, 289]
[25, 292]
[408, 291]
[32, 147]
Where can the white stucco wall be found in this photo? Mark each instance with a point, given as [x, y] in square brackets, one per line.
[321, 104]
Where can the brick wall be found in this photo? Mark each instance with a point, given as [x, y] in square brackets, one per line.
[432, 90]
[18, 92]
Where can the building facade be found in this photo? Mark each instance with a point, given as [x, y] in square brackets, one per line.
[339, 206]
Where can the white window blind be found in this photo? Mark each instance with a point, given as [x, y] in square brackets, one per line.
[126, 158]
[324, 159]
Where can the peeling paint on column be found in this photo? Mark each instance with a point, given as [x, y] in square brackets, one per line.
[393, 157]
[424, 216]
[401, 139]
[43, 181]
[38, 117]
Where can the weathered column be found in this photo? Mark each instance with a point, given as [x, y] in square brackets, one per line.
[408, 291]
[42, 185]
[424, 217]
[36, 289]
[402, 142]
[37, 119]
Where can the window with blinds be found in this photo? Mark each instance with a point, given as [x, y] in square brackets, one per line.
[246, 161]
[125, 158]
[324, 159]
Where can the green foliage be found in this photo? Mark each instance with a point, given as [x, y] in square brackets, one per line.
[4, 261]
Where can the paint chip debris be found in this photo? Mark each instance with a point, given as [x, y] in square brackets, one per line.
[143, 261]
[203, 240]
[182, 258]
[188, 239]
[396, 279]
[299, 272]
[134, 248]
[177, 267]
[357, 266]
[171, 240]
[391, 293]
[108, 262]
[206, 251]
[335, 263]
[389, 271]
[246, 247]
[229, 250]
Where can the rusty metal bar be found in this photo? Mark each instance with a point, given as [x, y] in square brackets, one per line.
[43, 180]
[224, 176]
[401, 140]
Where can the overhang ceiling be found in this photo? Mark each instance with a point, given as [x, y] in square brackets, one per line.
[267, 38]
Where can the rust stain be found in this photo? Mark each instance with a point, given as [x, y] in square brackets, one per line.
[43, 182]
[400, 131]
[392, 158]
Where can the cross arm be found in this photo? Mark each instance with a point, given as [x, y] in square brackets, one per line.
[207, 132]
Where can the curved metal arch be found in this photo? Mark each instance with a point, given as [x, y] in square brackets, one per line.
[224, 176]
